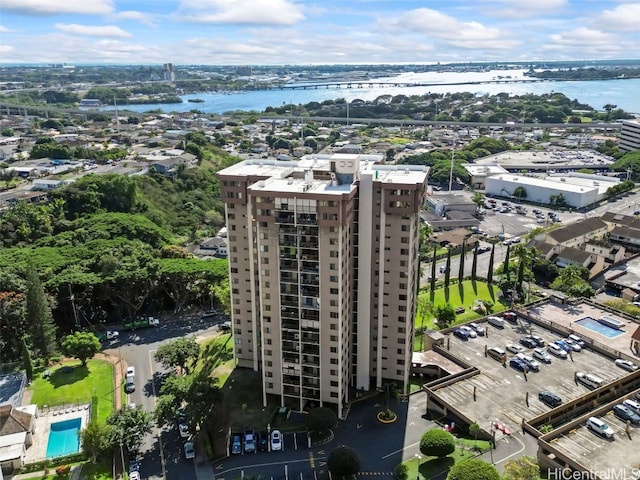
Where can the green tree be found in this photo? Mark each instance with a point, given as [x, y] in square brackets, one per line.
[522, 468]
[474, 264]
[474, 429]
[506, 268]
[128, 427]
[572, 280]
[447, 273]
[473, 469]
[446, 315]
[26, 360]
[181, 352]
[94, 439]
[490, 269]
[461, 266]
[437, 443]
[478, 199]
[520, 192]
[401, 471]
[432, 283]
[39, 316]
[320, 419]
[343, 461]
[81, 345]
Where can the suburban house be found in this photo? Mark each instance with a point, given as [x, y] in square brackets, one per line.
[17, 426]
[169, 165]
[577, 234]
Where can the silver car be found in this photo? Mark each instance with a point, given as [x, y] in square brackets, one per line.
[541, 355]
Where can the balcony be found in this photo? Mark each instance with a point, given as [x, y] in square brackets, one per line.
[285, 217]
[311, 394]
[291, 380]
[311, 349]
[287, 390]
[289, 278]
[288, 324]
[290, 265]
[307, 219]
[309, 360]
[293, 359]
[308, 291]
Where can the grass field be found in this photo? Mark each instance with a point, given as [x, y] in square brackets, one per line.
[70, 383]
[462, 294]
[432, 467]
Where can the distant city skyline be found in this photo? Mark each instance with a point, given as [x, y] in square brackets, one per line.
[245, 32]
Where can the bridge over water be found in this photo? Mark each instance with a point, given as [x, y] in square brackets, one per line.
[373, 84]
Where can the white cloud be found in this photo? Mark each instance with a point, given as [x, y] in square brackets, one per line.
[521, 8]
[433, 24]
[6, 49]
[53, 7]
[142, 17]
[583, 37]
[92, 30]
[255, 12]
[4, 29]
[624, 17]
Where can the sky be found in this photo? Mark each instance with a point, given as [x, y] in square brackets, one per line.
[277, 32]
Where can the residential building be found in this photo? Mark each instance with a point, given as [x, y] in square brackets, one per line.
[630, 136]
[323, 265]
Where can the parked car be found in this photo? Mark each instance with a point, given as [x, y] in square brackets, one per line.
[480, 331]
[263, 441]
[555, 349]
[183, 428]
[549, 398]
[528, 342]
[599, 427]
[633, 405]
[236, 444]
[577, 339]
[531, 363]
[518, 364]
[513, 348]
[484, 249]
[276, 440]
[589, 380]
[470, 331]
[189, 450]
[628, 365]
[249, 441]
[461, 334]
[135, 475]
[572, 345]
[542, 355]
[510, 317]
[131, 373]
[625, 414]
[129, 386]
[444, 269]
[537, 339]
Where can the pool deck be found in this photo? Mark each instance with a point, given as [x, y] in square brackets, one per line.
[38, 450]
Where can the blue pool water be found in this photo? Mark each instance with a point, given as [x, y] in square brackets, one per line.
[64, 438]
[596, 326]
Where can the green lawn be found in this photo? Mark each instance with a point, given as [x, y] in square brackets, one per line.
[432, 467]
[462, 294]
[70, 383]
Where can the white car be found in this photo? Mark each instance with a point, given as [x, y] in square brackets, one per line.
[513, 348]
[479, 330]
[626, 364]
[556, 350]
[541, 355]
[470, 331]
[574, 345]
[276, 440]
[531, 363]
[131, 373]
[134, 475]
[184, 430]
[189, 450]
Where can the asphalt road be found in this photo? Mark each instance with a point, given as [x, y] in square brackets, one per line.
[161, 453]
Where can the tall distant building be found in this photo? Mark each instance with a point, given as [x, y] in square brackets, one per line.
[244, 71]
[630, 136]
[169, 72]
[323, 265]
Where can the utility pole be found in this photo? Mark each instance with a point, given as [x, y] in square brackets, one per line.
[453, 149]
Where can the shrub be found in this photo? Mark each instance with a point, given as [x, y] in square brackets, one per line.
[437, 443]
[473, 469]
[401, 471]
[63, 470]
[343, 461]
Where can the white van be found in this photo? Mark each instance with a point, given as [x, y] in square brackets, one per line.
[589, 380]
[496, 322]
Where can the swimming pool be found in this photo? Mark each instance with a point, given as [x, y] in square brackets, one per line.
[64, 438]
[593, 324]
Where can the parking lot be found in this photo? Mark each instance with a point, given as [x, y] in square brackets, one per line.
[501, 390]
[597, 453]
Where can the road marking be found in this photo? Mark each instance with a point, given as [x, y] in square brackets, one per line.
[311, 460]
[400, 450]
[513, 454]
[270, 464]
[412, 423]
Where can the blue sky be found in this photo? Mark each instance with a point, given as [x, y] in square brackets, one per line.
[240, 32]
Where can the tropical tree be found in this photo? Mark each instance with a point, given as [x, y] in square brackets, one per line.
[39, 316]
[446, 315]
[343, 461]
[478, 199]
[128, 427]
[520, 192]
[447, 273]
[522, 468]
[461, 266]
[181, 352]
[437, 443]
[506, 267]
[433, 270]
[81, 345]
[474, 264]
[95, 439]
[572, 280]
[320, 419]
[490, 269]
[474, 429]
[473, 469]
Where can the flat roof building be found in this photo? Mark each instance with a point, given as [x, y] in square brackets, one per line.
[323, 264]
[630, 136]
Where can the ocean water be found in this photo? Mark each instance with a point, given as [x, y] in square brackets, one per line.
[624, 93]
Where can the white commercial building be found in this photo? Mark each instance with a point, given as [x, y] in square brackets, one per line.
[578, 190]
[630, 136]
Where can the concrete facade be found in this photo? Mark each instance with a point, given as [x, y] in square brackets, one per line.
[630, 136]
[323, 259]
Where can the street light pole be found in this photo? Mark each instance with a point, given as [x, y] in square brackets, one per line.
[418, 457]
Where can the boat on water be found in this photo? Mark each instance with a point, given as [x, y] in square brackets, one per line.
[195, 100]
